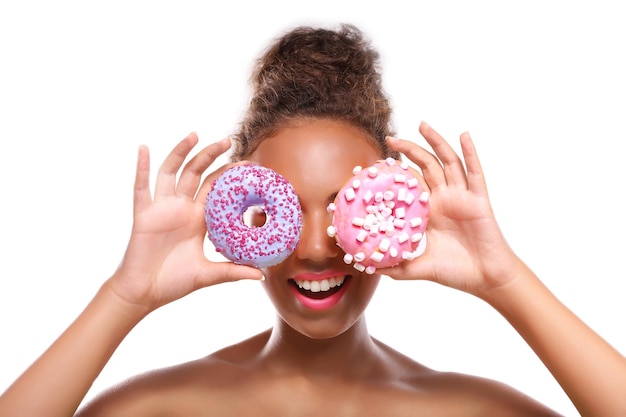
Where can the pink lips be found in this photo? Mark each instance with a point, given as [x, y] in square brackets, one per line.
[322, 303]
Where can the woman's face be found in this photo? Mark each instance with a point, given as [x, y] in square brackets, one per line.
[317, 157]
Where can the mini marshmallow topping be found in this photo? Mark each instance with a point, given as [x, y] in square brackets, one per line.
[380, 216]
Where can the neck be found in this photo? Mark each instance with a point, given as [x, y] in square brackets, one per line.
[352, 353]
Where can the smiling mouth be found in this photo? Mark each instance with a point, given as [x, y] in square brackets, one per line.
[319, 289]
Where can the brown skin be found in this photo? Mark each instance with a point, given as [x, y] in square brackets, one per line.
[239, 381]
[315, 362]
[312, 362]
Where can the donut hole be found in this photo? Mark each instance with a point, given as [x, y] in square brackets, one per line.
[254, 216]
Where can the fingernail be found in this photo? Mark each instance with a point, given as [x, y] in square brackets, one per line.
[226, 141]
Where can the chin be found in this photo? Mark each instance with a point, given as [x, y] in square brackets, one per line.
[321, 328]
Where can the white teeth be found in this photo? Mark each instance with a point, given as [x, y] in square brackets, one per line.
[321, 285]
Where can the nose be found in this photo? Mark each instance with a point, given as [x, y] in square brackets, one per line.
[315, 245]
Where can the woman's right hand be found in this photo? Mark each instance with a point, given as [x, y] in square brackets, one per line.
[165, 259]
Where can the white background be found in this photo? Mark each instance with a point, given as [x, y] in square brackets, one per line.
[539, 85]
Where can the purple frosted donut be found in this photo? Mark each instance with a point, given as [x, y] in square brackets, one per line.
[249, 186]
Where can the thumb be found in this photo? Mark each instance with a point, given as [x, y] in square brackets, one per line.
[219, 272]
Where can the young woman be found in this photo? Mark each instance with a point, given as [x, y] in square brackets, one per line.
[317, 111]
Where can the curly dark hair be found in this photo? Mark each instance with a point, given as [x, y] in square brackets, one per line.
[316, 73]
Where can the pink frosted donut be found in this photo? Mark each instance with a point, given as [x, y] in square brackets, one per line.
[380, 216]
[252, 186]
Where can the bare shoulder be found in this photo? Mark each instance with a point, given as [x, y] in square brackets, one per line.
[469, 395]
[449, 393]
[233, 382]
[200, 387]
[166, 391]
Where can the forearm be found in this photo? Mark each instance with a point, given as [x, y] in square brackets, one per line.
[591, 371]
[57, 382]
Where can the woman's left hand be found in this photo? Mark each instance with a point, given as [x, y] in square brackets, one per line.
[465, 249]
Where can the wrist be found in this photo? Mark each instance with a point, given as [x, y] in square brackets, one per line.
[118, 304]
[509, 286]
[500, 282]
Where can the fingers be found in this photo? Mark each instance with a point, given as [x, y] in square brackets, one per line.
[190, 177]
[167, 176]
[475, 175]
[428, 163]
[227, 272]
[443, 167]
[142, 197]
[453, 168]
[170, 183]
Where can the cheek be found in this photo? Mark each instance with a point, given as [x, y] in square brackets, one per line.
[272, 283]
[269, 288]
[368, 286]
